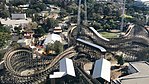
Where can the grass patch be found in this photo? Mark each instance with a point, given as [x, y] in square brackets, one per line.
[109, 34]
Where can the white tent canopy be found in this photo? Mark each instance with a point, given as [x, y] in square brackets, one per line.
[51, 38]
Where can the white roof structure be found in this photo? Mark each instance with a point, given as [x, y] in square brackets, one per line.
[57, 75]
[102, 69]
[18, 16]
[24, 6]
[57, 30]
[66, 68]
[14, 23]
[66, 65]
[51, 38]
[91, 44]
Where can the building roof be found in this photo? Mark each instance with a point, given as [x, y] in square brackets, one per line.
[24, 6]
[14, 22]
[92, 44]
[18, 16]
[141, 77]
[57, 30]
[66, 65]
[102, 69]
[51, 38]
[66, 68]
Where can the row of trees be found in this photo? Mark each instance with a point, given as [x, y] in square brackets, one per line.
[107, 15]
[101, 15]
[4, 37]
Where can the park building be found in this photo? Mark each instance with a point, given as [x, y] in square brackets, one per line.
[18, 16]
[16, 20]
[57, 30]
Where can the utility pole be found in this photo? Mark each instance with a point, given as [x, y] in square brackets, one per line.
[123, 13]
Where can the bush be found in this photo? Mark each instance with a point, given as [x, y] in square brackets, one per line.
[120, 60]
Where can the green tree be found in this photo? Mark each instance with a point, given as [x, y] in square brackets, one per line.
[96, 25]
[58, 47]
[32, 25]
[74, 19]
[30, 12]
[96, 16]
[14, 44]
[40, 31]
[17, 30]
[120, 60]
[143, 55]
[4, 29]
[72, 8]
[98, 8]
[106, 26]
[38, 6]
[4, 36]
[36, 18]
[52, 22]
[4, 14]
[91, 1]
[49, 47]
[63, 13]
[18, 2]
